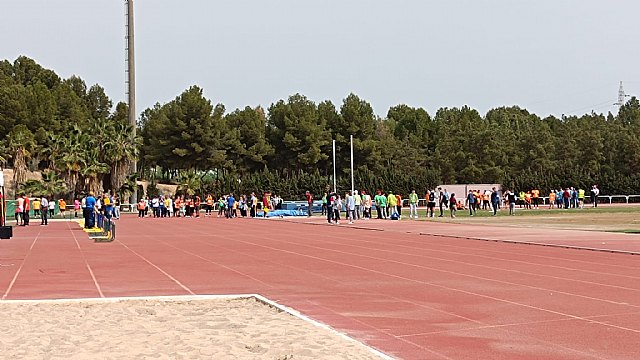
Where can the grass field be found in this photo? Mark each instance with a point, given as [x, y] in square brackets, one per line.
[604, 218]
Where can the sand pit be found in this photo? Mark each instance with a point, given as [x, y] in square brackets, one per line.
[238, 328]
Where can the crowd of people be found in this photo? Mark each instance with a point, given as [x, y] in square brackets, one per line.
[358, 205]
[355, 205]
[43, 208]
[193, 206]
[97, 209]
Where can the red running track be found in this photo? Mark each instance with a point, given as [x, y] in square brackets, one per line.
[411, 296]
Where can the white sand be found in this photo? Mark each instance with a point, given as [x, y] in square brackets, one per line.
[155, 329]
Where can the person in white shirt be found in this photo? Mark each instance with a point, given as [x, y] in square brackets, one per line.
[155, 204]
[351, 207]
[337, 208]
[52, 208]
[44, 205]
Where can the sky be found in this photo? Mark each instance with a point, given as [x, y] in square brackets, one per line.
[552, 57]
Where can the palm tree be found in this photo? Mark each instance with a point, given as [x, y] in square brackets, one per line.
[21, 142]
[190, 183]
[129, 185]
[71, 158]
[51, 150]
[93, 170]
[50, 185]
[119, 152]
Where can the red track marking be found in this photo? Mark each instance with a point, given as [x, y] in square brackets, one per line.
[411, 296]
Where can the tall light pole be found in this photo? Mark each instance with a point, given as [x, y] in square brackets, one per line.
[352, 183]
[131, 85]
[335, 188]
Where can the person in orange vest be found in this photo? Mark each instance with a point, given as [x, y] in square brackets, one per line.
[63, 207]
[527, 200]
[552, 198]
[142, 205]
[209, 206]
[485, 200]
[535, 194]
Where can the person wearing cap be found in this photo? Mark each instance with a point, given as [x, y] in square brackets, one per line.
[90, 205]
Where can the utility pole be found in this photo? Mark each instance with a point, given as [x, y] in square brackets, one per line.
[621, 96]
[335, 189]
[131, 84]
[352, 183]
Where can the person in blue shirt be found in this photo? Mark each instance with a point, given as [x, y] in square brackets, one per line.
[89, 216]
[230, 201]
[471, 199]
[495, 201]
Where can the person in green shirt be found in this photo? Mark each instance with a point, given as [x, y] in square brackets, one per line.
[413, 205]
[324, 204]
[381, 205]
[358, 201]
[392, 200]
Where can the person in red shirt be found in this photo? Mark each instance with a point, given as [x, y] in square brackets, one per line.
[25, 213]
[309, 203]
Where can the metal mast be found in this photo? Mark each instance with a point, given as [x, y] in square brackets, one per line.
[131, 83]
[621, 96]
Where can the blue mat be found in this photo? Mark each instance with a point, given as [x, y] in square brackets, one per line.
[279, 213]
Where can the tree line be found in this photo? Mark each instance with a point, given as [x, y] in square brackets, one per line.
[74, 132]
[70, 132]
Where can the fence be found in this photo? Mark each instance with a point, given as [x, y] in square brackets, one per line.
[602, 199]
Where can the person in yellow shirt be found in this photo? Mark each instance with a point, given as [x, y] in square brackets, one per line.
[63, 207]
[36, 207]
[168, 205]
[399, 205]
[392, 201]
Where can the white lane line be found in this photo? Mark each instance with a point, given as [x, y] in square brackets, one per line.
[439, 286]
[86, 263]
[15, 277]
[198, 232]
[158, 268]
[509, 325]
